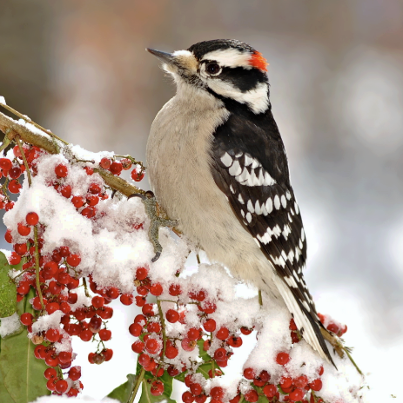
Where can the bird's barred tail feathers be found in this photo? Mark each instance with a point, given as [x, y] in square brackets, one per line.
[305, 321]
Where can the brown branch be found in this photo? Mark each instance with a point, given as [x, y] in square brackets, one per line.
[13, 128]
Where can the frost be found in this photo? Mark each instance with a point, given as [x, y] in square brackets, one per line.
[65, 399]
[9, 325]
[2, 100]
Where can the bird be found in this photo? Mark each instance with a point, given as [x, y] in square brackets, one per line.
[217, 164]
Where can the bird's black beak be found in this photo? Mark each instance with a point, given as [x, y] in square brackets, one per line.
[163, 56]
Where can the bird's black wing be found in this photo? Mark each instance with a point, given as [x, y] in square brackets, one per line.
[249, 165]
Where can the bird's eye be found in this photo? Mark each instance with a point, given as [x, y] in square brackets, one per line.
[213, 69]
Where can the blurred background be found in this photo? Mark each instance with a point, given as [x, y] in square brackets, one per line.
[336, 70]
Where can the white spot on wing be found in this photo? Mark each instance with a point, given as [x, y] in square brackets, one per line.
[240, 199]
[231, 189]
[235, 169]
[269, 205]
[268, 180]
[296, 207]
[249, 205]
[283, 201]
[226, 160]
[291, 282]
[277, 202]
[248, 160]
[258, 209]
[288, 194]
[248, 217]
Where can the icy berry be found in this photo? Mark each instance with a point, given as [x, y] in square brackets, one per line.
[32, 218]
[193, 333]
[316, 385]
[116, 168]
[188, 345]
[73, 260]
[26, 319]
[172, 316]
[270, 391]
[187, 397]
[297, 395]
[137, 175]
[14, 186]
[157, 388]
[196, 389]
[126, 299]
[217, 393]
[249, 373]
[98, 302]
[171, 352]
[301, 381]
[223, 333]
[156, 289]
[210, 325]
[61, 171]
[138, 346]
[23, 229]
[282, 358]
[141, 273]
[52, 335]
[175, 290]
[105, 163]
[251, 396]
[220, 354]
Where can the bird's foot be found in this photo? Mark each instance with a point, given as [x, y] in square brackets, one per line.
[158, 218]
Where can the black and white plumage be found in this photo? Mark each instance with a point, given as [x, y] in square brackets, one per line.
[234, 196]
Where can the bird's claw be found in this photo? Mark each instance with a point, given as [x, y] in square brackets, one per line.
[153, 212]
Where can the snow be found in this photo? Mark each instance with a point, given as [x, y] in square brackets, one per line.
[32, 128]
[112, 246]
[2, 100]
[9, 325]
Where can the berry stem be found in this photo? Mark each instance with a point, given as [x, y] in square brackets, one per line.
[87, 294]
[137, 385]
[164, 337]
[38, 284]
[18, 141]
[352, 361]
[212, 369]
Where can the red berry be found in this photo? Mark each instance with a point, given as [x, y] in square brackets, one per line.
[15, 172]
[217, 393]
[98, 302]
[157, 387]
[144, 359]
[234, 341]
[316, 385]
[77, 201]
[188, 345]
[26, 319]
[61, 386]
[107, 353]
[126, 163]
[201, 398]
[321, 371]
[126, 299]
[92, 200]
[220, 354]
[105, 163]
[156, 289]
[235, 399]
[153, 346]
[207, 307]
[148, 309]
[172, 316]
[116, 168]
[61, 171]
[293, 326]
[64, 251]
[14, 258]
[175, 290]
[50, 373]
[154, 327]
[52, 307]
[210, 325]
[52, 335]
[32, 218]
[86, 335]
[249, 373]
[73, 260]
[105, 334]
[297, 395]
[141, 273]
[222, 334]
[187, 397]
[251, 396]
[40, 352]
[50, 360]
[285, 382]
[138, 346]
[23, 229]
[301, 381]
[50, 384]
[75, 373]
[196, 389]
[23, 289]
[113, 292]
[66, 191]
[137, 175]
[193, 333]
[65, 357]
[94, 188]
[8, 237]
[171, 352]
[270, 391]
[172, 371]
[135, 329]
[14, 186]
[282, 358]
[5, 164]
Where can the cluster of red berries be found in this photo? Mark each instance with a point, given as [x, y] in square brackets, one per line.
[59, 275]
[153, 345]
[116, 167]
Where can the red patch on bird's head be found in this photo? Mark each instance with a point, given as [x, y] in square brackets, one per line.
[257, 60]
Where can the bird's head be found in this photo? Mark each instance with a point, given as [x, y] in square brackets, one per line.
[227, 69]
